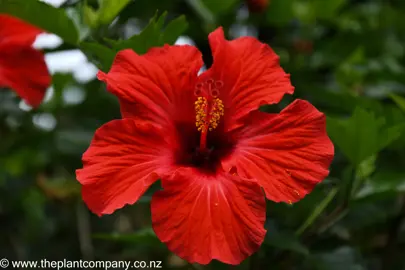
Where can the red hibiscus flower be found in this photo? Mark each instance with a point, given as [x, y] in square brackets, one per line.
[205, 138]
[22, 68]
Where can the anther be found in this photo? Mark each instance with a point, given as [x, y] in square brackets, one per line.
[208, 115]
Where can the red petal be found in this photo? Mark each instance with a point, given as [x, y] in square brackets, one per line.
[203, 217]
[17, 32]
[123, 160]
[288, 154]
[157, 86]
[24, 70]
[250, 73]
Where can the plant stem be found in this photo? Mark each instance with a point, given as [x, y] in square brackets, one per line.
[317, 211]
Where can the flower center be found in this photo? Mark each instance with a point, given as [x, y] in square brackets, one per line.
[208, 109]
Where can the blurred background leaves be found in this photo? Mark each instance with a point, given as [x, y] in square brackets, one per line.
[344, 56]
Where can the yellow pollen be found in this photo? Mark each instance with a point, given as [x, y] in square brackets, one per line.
[207, 117]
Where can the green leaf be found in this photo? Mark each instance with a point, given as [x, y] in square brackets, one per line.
[102, 55]
[148, 38]
[174, 29]
[363, 171]
[388, 135]
[362, 135]
[400, 101]
[366, 167]
[153, 35]
[44, 16]
[109, 9]
[90, 16]
[78, 18]
[385, 180]
[160, 20]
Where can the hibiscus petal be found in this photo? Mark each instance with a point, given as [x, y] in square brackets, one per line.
[250, 73]
[24, 70]
[157, 86]
[204, 217]
[288, 154]
[17, 32]
[123, 160]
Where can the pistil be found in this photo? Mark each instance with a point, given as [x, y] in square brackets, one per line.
[208, 110]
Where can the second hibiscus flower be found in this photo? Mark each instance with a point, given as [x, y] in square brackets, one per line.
[205, 138]
[22, 68]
